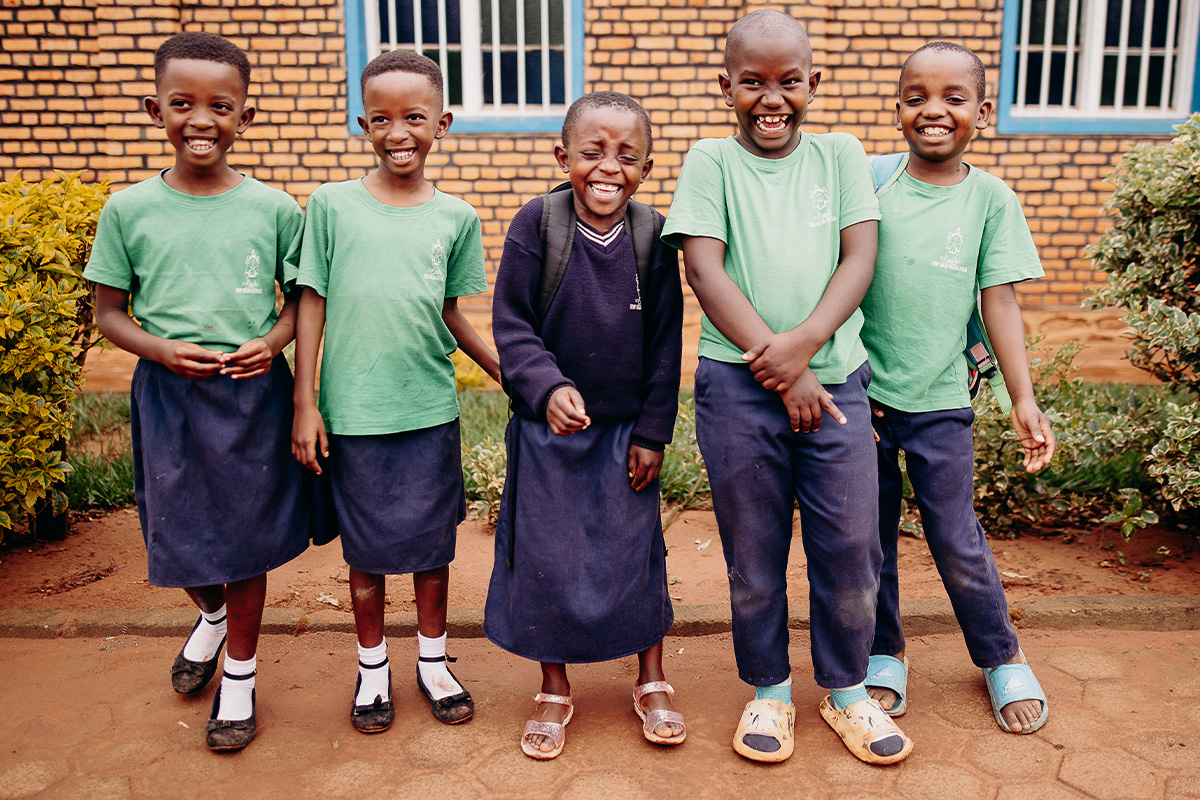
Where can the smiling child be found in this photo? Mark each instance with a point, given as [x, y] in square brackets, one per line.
[385, 260]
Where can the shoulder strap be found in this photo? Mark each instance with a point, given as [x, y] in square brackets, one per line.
[557, 232]
[644, 228]
[979, 356]
[887, 169]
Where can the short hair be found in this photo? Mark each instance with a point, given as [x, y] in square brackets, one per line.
[764, 22]
[607, 100]
[404, 61]
[978, 73]
[202, 47]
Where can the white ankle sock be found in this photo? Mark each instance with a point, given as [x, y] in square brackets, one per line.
[436, 674]
[235, 691]
[373, 669]
[202, 645]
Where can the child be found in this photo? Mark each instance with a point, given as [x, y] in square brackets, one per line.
[385, 260]
[580, 571]
[948, 231]
[200, 249]
[777, 228]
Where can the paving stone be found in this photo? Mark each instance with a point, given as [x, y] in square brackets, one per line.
[1121, 701]
[25, 779]
[843, 772]
[1185, 686]
[352, 779]
[963, 706]
[922, 781]
[509, 771]
[1172, 751]
[1086, 663]
[439, 746]
[441, 787]
[1077, 726]
[1004, 755]
[196, 766]
[1183, 787]
[602, 786]
[1108, 775]
[93, 788]
[1037, 791]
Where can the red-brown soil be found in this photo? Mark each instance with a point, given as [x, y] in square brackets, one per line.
[103, 565]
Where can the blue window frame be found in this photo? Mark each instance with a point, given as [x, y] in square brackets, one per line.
[1098, 66]
[508, 66]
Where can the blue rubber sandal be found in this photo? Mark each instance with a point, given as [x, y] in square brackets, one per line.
[889, 672]
[1009, 683]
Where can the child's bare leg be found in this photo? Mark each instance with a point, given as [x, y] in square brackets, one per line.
[886, 697]
[205, 640]
[367, 594]
[374, 673]
[431, 588]
[554, 681]
[208, 599]
[245, 601]
[650, 669]
[449, 701]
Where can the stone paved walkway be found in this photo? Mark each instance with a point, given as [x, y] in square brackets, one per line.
[96, 718]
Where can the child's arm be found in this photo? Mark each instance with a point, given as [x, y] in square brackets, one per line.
[308, 428]
[468, 340]
[724, 303]
[183, 358]
[254, 357]
[779, 361]
[1002, 318]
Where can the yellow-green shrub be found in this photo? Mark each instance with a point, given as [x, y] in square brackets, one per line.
[46, 326]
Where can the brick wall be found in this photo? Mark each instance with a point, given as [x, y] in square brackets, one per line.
[73, 72]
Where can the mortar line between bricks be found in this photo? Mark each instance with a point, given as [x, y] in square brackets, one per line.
[921, 617]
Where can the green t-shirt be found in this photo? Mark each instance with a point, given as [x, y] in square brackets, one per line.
[199, 269]
[384, 273]
[781, 222]
[938, 246]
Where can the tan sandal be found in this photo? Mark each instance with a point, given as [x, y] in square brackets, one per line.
[770, 722]
[862, 726]
[652, 719]
[556, 732]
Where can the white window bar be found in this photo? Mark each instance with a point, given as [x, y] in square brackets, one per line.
[443, 61]
[568, 69]
[1023, 57]
[1144, 72]
[1069, 72]
[496, 54]
[470, 30]
[1122, 57]
[545, 12]
[418, 26]
[1047, 53]
[1169, 54]
[521, 54]
[371, 29]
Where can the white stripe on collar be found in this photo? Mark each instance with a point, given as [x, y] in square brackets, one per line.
[602, 239]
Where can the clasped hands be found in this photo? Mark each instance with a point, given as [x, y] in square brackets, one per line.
[780, 363]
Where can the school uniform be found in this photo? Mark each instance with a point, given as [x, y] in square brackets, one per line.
[580, 569]
[387, 390]
[219, 497]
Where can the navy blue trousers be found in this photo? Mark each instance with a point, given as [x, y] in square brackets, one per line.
[939, 454]
[759, 469]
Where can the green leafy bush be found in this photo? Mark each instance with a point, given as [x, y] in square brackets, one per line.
[1151, 255]
[46, 326]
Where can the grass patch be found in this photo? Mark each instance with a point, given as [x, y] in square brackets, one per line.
[99, 452]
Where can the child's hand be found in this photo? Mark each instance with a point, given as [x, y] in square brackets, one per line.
[805, 401]
[309, 436]
[565, 413]
[191, 361]
[876, 413]
[1034, 432]
[644, 466]
[249, 361]
[777, 363]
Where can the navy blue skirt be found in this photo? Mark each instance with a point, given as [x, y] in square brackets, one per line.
[219, 495]
[399, 498]
[588, 574]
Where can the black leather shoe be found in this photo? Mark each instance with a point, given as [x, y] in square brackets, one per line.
[189, 677]
[376, 717]
[453, 709]
[230, 734]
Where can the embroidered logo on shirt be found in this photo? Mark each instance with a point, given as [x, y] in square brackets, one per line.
[437, 262]
[820, 201]
[250, 285]
[636, 305]
[954, 243]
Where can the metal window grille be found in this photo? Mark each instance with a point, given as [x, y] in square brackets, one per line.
[497, 56]
[1119, 58]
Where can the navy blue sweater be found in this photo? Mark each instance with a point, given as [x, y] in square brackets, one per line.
[624, 361]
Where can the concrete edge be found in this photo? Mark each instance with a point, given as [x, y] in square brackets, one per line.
[922, 617]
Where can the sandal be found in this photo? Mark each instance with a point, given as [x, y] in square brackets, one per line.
[189, 677]
[555, 731]
[652, 719]
[453, 709]
[867, 731]
[378, 715]
[231, 734]
[889, 672]
[1010, 683]
[771, 723]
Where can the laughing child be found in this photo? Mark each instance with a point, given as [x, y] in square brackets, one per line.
[385, 260]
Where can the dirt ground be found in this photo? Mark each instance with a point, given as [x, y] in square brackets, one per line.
[102, 565]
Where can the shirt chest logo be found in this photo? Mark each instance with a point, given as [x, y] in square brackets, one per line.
[951, 260]
[250, 285]
[437, 262]
[821, 205]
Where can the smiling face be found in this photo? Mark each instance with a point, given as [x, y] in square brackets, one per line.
[202, 107]
[769, 84]
[606, 158]
[403, 118]
[939, 107]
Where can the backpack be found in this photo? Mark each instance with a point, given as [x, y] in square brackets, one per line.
[557, 232]
[981, 363]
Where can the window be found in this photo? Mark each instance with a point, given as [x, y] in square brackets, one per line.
[509, 66]
[1098, 66]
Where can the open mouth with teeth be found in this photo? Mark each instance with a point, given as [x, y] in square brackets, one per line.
[200, 145]
[772, 124]
[934, 131]
[604, 191]
[402, 156]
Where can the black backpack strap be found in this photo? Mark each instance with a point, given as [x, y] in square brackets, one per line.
[644, 227]
[557, 232]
